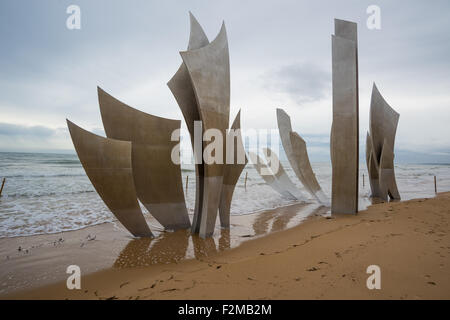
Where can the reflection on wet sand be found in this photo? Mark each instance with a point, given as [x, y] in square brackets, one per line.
[203, 247]
[376, 200]
[284, 217]
[280, 219]
[207, 247]
[224, 240]
[379, 200]
[169, 247]
[134, 253]
[261, 223]
[172, 247]
[281, 222]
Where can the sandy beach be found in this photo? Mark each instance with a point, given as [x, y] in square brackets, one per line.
[34, 261]
[322, 258]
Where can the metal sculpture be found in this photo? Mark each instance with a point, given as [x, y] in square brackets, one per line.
[107, 163]
[201, 87]
[157, 178]
[235, 162]
[181, 87]
[209, 71]
[282, 177]
[380, 147]
[298, 156]
[344, 142]
[269, 177]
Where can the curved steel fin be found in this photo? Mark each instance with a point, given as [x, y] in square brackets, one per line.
[157, 178]
[181, 87]
[209, 71]
[268, 176]
[233, 169]
[107, 163]
[282, 176]
[383, 122]
[298, 158]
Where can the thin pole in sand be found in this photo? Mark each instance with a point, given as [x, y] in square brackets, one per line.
[3, 184]
[363, 180]
[245, 181]
[435, 185]
[187, 181]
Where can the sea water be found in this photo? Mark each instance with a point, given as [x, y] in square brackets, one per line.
[50, 193]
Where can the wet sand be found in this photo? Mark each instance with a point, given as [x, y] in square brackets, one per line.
[322, 258]
[35, 261]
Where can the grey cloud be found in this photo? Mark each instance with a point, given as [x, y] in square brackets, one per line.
[50, 73]
[16, 137]
[11, 130]
[303, 82]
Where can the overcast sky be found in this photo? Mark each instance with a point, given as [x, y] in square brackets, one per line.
[280, 56]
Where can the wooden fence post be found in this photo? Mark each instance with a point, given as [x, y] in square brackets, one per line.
[3, 184]
[245, 181]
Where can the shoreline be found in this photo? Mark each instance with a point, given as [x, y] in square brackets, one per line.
[38, 260]
[152, 222]
[321, 258]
